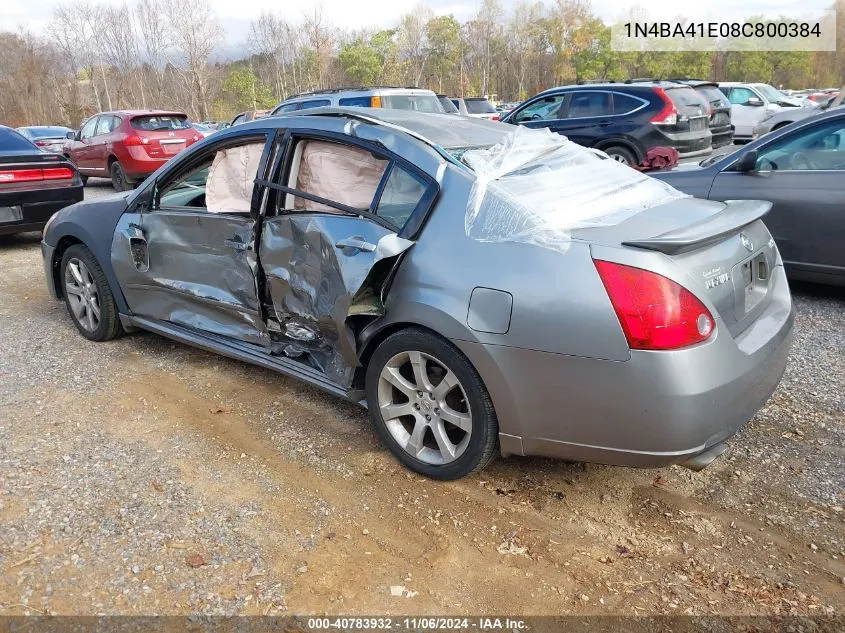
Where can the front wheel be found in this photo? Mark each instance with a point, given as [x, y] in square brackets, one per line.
[118, 178]
[429, 406]
[87, 295]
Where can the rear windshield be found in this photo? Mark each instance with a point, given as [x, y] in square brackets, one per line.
[713, 95]
[156, 122]
[419, 103]
[44, 132]
[447, 104]
[11, 141]
[479, 106]
[683, 97]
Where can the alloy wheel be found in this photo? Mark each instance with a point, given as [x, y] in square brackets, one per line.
[619, 158]
[82, 293]
[425, 407]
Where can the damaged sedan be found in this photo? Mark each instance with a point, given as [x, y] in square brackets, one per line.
[481, 289]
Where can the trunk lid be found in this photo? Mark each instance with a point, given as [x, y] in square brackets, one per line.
[164, 135]
[724, 248]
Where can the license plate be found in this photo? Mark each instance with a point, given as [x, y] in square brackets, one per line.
[696, 124]
[720, 118]
[172, 147]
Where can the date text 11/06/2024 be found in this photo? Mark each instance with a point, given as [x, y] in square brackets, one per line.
[417, 623]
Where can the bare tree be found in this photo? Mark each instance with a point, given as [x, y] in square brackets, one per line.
[320, 37]
[413, 41]
[196, 33]
[73, 29]
[153, 35]
[118, 41]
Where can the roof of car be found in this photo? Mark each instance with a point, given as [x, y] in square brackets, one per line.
[359, 89]
[141, 112]
[444, 130]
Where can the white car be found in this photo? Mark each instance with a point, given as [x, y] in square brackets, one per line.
[477, 108]
[751, 104]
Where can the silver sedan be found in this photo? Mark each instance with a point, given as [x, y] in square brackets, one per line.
[483, 290]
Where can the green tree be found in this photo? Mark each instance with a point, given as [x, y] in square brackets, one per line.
[244, 91]
[360, 62]
[444, 42]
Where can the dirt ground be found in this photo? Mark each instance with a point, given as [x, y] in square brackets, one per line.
[142, 476]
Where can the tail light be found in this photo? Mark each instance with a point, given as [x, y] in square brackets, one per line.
[668, 115]
[42, 143]
[35, 175]
[375, 101]
[135, 140]
[655, 312]
[495, 117]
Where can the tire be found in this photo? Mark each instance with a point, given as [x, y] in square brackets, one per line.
[620, 154]
[84, 179]
[84, 285]
[418, 442]
[118, 178]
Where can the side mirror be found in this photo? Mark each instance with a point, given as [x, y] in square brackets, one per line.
[747, 162]
[70, 135]
[754, 101]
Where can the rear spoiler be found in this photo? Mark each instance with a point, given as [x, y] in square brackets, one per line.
[735, 215]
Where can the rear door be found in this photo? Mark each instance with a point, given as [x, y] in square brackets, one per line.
[803, 175]
[588, 116]
[185, 253]
[331, 239]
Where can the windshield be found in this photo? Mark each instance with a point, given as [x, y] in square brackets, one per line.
[447, 104]
[770, 93]
[11, 141]
[44, 132]
[479, 106]
[418, 103]
[160, 122]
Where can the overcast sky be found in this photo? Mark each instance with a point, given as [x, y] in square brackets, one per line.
[235, 15]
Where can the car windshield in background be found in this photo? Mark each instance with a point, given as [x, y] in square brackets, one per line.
[713, 94]
[157, 123]
[447, 104]
[772, 94]
[11, 141]
[419, 103]
[683, 97]
[45, 132]
[479, 106]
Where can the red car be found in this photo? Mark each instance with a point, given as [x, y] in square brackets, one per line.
[128, 145]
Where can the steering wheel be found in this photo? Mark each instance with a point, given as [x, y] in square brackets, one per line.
[800, 161]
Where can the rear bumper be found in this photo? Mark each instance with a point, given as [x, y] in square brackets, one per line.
[657, 408]
[687, 143]
[29, 210]
[137, 165]
[723, 135]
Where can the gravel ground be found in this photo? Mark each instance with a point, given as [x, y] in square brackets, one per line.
[142, 476]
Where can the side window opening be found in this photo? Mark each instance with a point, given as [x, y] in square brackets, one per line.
[222, 183]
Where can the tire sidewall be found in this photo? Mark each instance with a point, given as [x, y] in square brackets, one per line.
[484, 423]
[107, 311]
[615, 150]
[117, 173]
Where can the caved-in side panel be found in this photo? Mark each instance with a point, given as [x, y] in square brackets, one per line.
[315, 283]
[201, 274]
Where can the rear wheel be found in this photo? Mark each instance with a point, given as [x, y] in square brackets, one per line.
[87, 295]
[118, 178]
[430, 407]
[621, 155]
[84, 179]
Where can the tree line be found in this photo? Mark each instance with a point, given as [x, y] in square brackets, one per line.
[162, 54]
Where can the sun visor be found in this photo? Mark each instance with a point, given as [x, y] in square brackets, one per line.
[537, 186]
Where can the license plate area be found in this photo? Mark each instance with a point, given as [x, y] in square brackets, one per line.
[751, 283]
[172, 146]
[697, 124]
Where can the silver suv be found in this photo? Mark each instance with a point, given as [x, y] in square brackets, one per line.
[417, 99]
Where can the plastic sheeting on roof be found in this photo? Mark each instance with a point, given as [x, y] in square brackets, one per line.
[537, 186]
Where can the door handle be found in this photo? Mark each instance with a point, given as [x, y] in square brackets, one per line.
[356, 243]
[237, 245]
